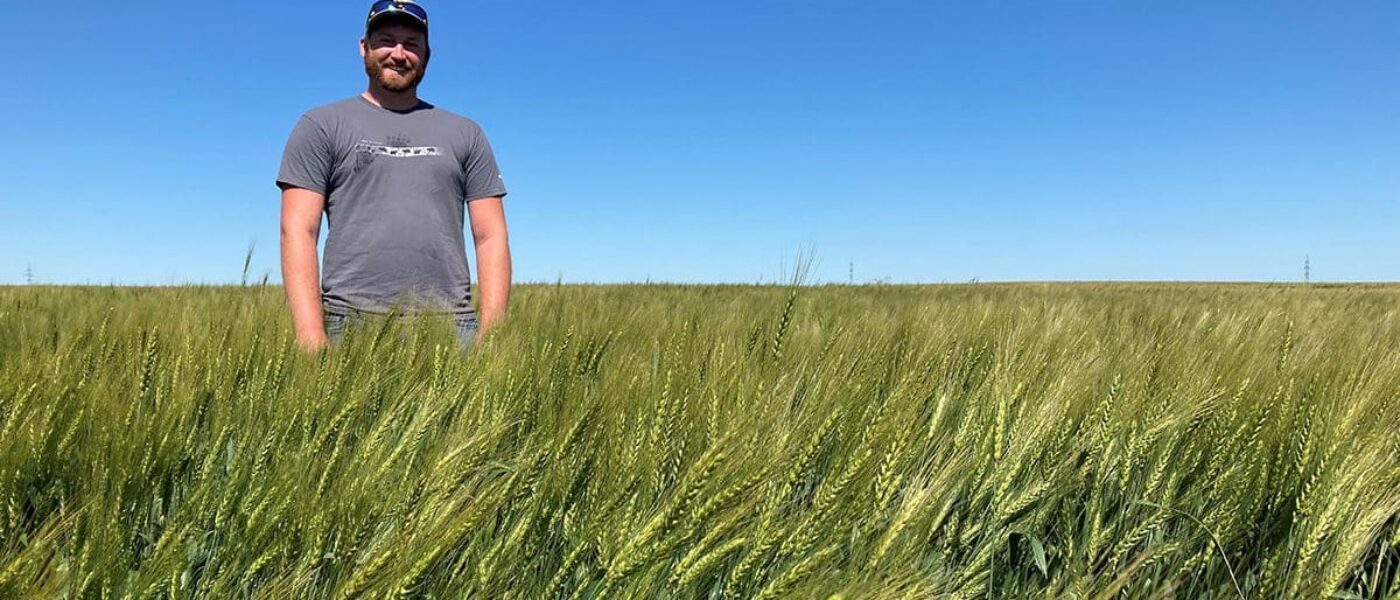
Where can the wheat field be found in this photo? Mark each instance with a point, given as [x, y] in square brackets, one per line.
[658, 441]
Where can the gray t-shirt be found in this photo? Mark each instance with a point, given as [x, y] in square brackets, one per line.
[396, 184]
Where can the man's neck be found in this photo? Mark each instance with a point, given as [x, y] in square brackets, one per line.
[404, 100]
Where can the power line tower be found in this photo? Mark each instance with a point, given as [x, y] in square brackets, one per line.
[1307, 270]
[851, 275]
[29, 275]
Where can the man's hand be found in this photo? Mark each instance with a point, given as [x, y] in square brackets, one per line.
[301, 226]
[488, 221]
[312, 343]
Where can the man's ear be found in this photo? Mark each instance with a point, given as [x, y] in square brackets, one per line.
[364, 48]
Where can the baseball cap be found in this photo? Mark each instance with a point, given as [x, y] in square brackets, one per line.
[404, 10]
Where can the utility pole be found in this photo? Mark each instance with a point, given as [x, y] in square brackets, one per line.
[851, 277]
[1307, 269]
[29, 275]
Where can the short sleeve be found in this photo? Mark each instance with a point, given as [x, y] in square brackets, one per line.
[306, 161]
[483, 178]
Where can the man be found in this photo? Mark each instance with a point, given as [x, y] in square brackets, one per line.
[393, 175]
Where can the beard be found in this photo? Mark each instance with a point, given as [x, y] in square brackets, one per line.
[392, 80]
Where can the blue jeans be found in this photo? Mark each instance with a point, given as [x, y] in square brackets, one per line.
[336, 325]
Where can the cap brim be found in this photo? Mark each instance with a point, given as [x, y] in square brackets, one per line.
[395, 16]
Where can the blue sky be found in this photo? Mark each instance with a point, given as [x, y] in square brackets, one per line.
[918, 141]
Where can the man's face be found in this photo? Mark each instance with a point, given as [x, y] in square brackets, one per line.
[396, 56]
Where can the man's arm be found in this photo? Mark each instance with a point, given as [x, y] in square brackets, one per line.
[301, 227]
[488, 221]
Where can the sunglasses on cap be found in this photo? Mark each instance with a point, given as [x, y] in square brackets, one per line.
[388, 7]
